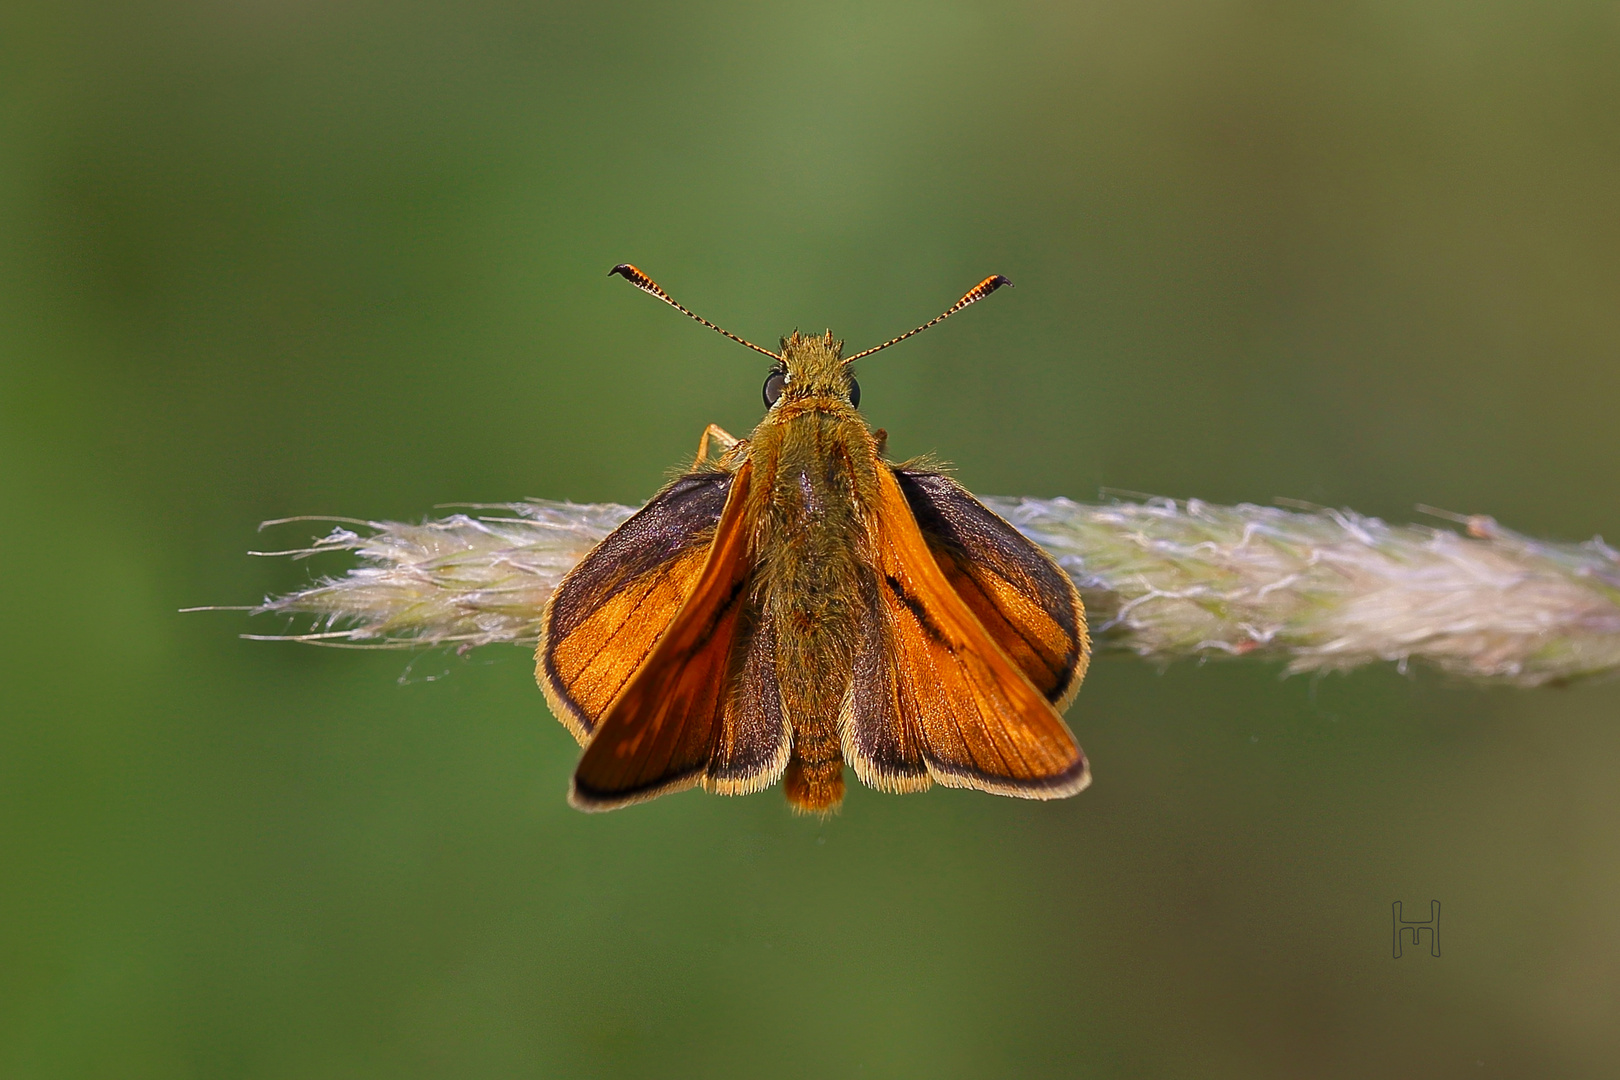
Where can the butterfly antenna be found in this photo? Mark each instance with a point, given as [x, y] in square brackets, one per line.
[648, 285]
[974, 295]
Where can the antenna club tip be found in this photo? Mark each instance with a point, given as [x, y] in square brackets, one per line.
[981, 290]
[641, 281]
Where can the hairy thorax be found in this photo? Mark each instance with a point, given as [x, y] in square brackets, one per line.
[811, 540]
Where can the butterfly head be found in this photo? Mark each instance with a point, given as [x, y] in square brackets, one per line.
[811, 367]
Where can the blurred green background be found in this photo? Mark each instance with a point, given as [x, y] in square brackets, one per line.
[274, 258]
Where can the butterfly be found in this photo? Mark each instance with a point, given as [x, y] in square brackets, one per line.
[796, 602]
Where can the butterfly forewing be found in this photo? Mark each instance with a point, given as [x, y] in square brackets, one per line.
[1020, 596]
[940, 699]
[679, 721]
[610, 610]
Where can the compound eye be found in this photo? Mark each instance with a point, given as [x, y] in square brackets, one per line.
[774, 384]
[854, 394]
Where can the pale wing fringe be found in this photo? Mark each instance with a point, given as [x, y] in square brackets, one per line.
[1320, 590]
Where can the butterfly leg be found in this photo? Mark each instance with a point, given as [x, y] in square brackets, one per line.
[721, 437]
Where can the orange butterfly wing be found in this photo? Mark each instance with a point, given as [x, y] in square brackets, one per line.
[934, 698]
[702, 707]
[608, 612]
[1026, 602]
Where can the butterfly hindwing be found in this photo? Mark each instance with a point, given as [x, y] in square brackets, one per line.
[752, 744]
[702, 706]
[880, 743]
[934, 696]
[1019, 595]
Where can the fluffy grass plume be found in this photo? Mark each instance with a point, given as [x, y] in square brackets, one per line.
[1317, 589]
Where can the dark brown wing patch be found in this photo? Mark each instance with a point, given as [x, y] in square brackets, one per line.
[1021, 597]
[881, 745]
[607, 614]
[752, 746]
